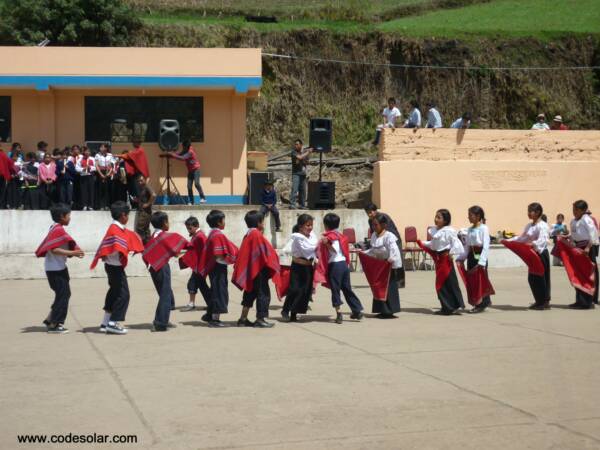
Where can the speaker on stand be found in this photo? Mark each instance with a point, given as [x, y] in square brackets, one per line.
[168, 141]
[321, 194]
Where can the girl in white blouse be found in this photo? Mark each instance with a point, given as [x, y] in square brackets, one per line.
[477, 249]
[384, 246]
[536, 234]
[304, 245]
[584, 235]
[444, 244]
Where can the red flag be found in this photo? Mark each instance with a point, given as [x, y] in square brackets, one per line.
[527, 254]
[217, 244]
[477, 283]
[282, 281]
[254, 255]
[161, 248]
[443, 264]
[578, 265]
[191, 258]
[57, 236]
[119, 240]
[322, 268]
[378, 273]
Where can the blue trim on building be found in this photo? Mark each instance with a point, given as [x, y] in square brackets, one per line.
[210, 200]
[44, 82]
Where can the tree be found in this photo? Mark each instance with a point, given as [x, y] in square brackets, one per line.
[67, 22]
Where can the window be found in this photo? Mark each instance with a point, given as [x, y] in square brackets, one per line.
[120, 119]
[5, 117]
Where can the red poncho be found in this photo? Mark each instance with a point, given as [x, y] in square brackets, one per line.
[192, 257]
[282, 281]
[217, 244]
[477, 283]
[136, 162]
[443, 265]
[118, 240]
[255, 254]
[161, 248]
[322, 269]
[57, 237]
[7, 166]
[578, 265]
[378, 273]
[527, 254]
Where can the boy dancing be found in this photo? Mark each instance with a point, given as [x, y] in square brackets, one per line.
[191, 259]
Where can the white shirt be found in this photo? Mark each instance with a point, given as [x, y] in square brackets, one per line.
[304, 247]
[391, 115]
[584, 229]
[415, 118]
[536, 234]
[385, 246]
[434, 120]
[335, 253]
[443, 239]
[458, 123]
[477, 237]
[540, 126]
[103, 161]
[114, 259]
[90, 168]
[53, 262]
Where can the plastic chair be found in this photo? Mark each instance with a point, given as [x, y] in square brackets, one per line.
[350, 235]
[426, 255]
[411, 247]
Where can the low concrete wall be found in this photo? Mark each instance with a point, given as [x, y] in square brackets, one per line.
[24, 230]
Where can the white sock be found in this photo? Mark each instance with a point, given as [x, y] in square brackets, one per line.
[106, 318]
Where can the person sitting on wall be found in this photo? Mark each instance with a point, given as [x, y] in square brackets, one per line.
[541, 123]
[414, 119]
[558, 125]
[136, 166]
[434, 119]
[463, 122]
[269, 204]
[390, 115]
[188, 155]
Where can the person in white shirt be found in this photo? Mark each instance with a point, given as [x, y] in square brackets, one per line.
[443, 245]
[477, 249]
[536, 234]
[384, 246]
[391, 114]
[540, 124]
[584, 235]
[462, 122]
[414, 119]
[105, 169]
[304, 246]
[434, 119]
[338, 272]
[85, 167]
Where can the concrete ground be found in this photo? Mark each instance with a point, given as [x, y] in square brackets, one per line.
[509, 378]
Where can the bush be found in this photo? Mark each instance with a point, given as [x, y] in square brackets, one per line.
[68, 22]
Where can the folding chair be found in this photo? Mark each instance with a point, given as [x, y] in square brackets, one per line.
[350, 235]
[411, 247]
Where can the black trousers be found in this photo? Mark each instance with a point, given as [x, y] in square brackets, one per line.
[265, 211]
[103, 191]
[118, 191]
[87, 183]
[198, 282]
[59, 283]
[193, 179]
[540, 284]
[449, 295]
[66, 192]
[339, 280]
[300, 291]
[117, 297]
[166, 299]
[581, 297]
[472, 263]
[3, 192]
[132, 188]
[392, 302]
[261, 293]
[31, 197]
[13, 194]
[219, 300]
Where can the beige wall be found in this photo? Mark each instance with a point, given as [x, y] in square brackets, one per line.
[57, 116]
[502, 171]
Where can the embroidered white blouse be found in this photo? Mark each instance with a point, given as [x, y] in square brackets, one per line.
[477, 237]
[535, 233]
[385, 246]
[584, 229]
[445, 238]
[304, 247]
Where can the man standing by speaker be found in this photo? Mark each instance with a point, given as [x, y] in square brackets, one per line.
[188, 156]
[300, 159]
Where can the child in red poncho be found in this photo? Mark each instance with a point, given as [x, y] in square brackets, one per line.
[161, 247]
[56, 247]
[257, 261]
[191, 259]
[114, 250]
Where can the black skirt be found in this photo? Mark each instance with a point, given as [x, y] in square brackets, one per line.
[471, 263]
[540, 284]
[392, 302]
[449, 295]
[300, 291]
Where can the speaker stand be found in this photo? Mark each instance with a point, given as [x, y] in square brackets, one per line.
[320, 165]
[169, 183]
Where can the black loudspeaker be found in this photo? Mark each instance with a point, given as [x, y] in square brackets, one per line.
[168, 136]
[321, 195]
[255, 186]
[320, 135]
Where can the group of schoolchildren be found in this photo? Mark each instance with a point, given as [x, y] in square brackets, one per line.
[315, 260]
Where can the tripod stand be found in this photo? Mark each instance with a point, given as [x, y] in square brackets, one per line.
[168, 182]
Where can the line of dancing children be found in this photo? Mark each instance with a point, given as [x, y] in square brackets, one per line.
[315, 260]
